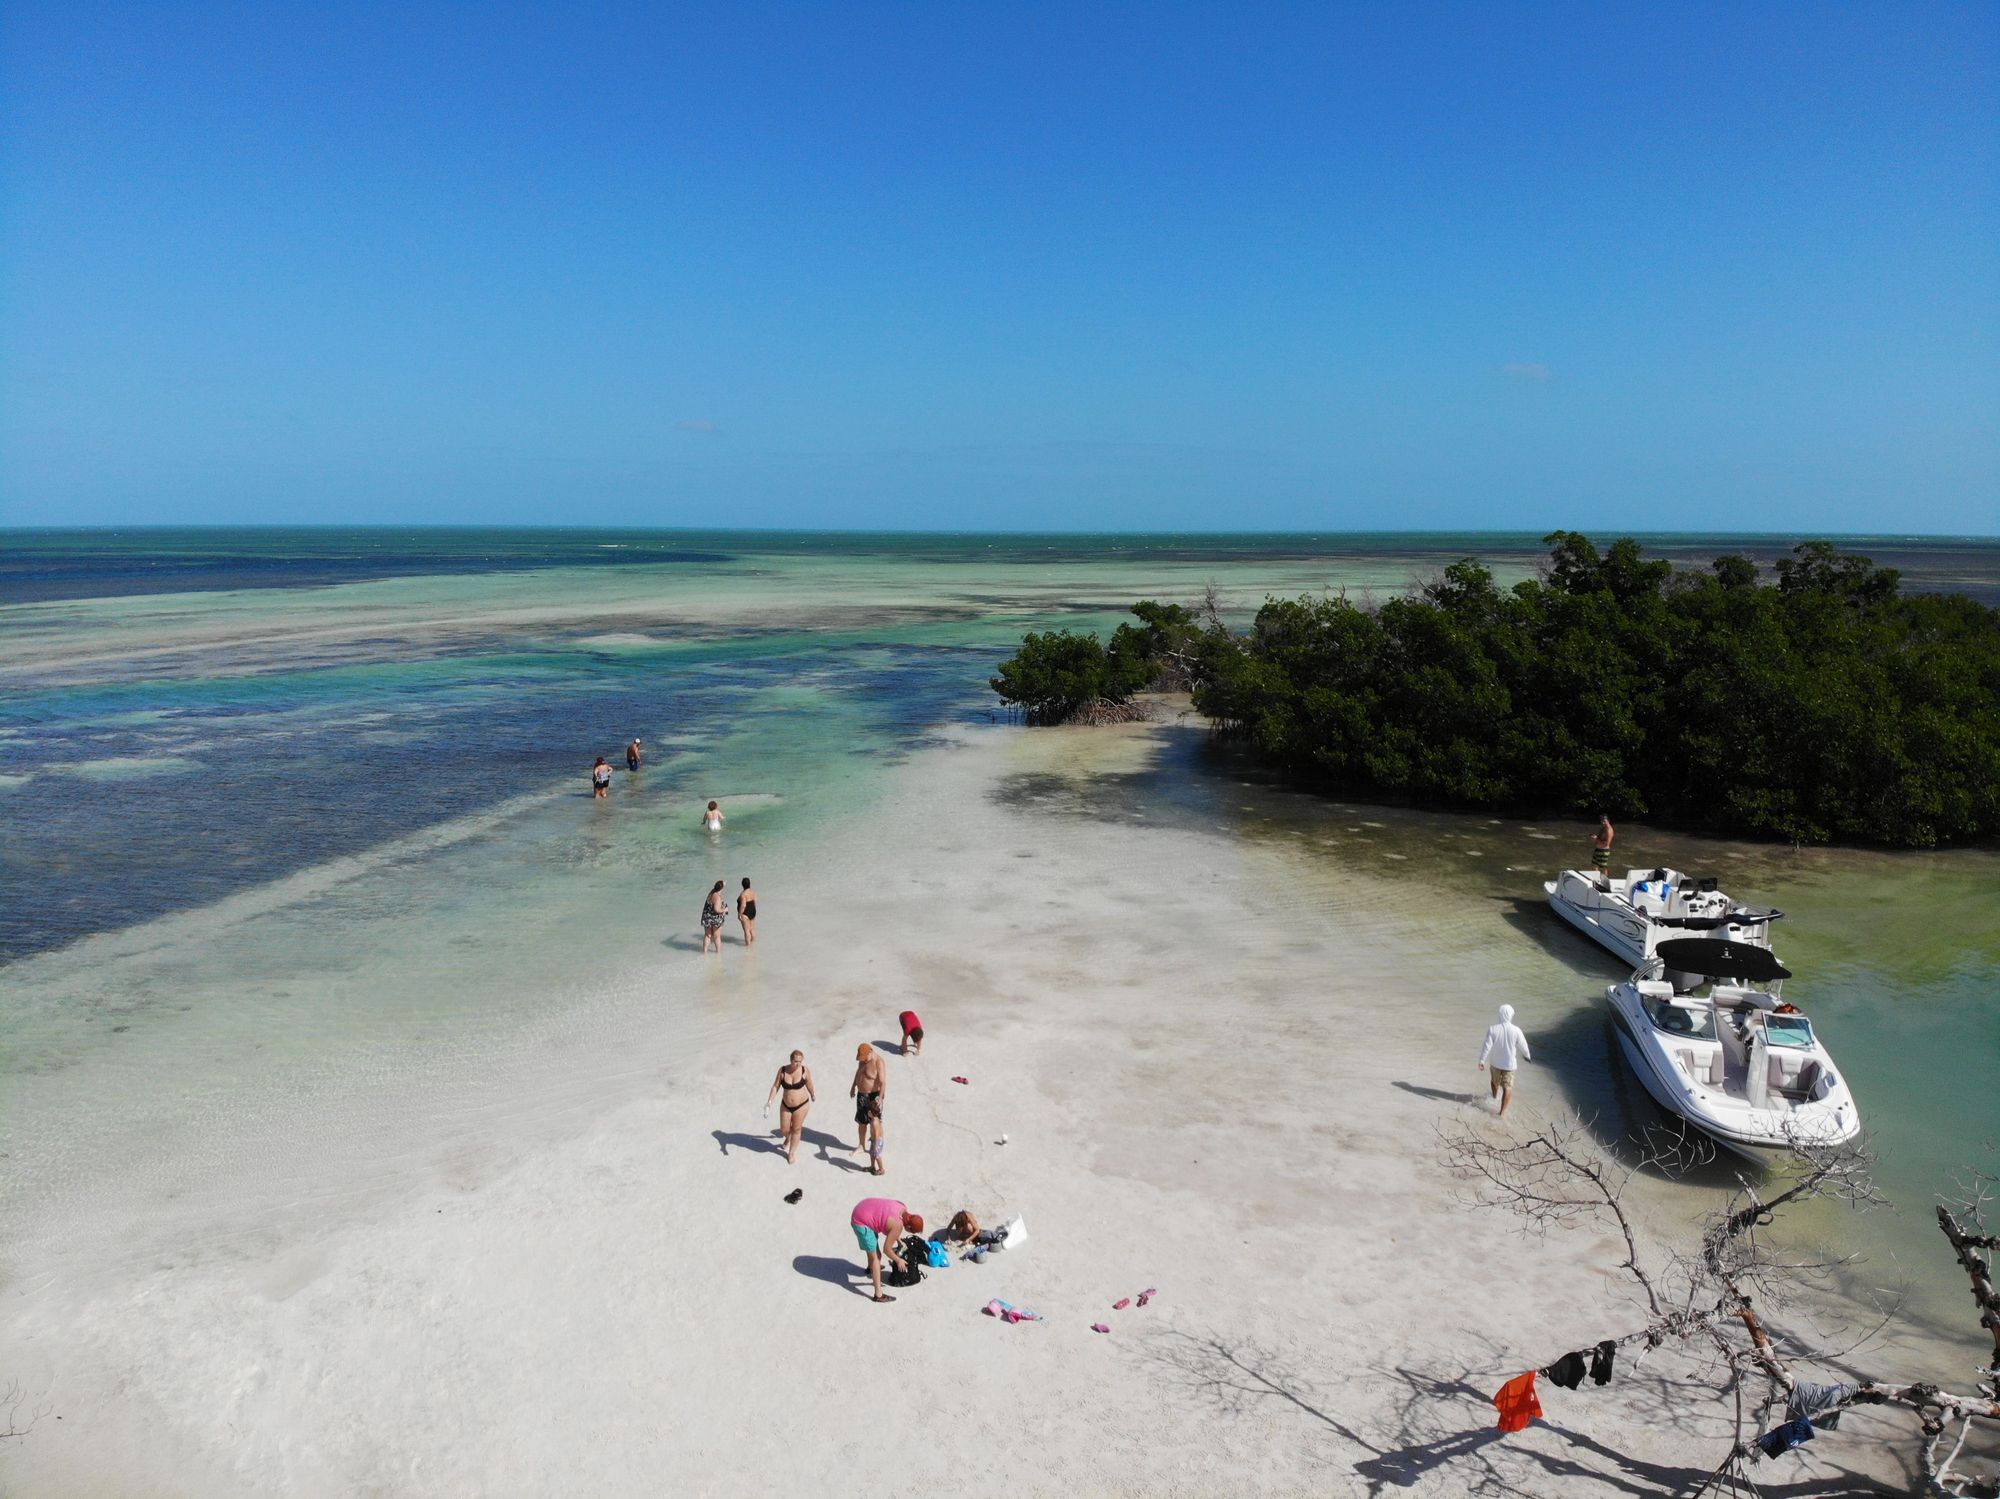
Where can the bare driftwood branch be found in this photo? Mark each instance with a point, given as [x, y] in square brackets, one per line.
[1714, 1303]
[1103, 710]
[12, 1398]
[1210, 610]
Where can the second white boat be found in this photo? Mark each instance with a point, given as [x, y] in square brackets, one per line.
[1634, 915]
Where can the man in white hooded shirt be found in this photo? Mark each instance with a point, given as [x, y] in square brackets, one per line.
[1506, 1048]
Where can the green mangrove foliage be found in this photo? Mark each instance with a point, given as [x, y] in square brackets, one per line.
[1061, 675]
[1825, 705]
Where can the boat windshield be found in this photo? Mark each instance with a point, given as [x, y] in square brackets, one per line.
[1789, 1030]
[1696, 1021]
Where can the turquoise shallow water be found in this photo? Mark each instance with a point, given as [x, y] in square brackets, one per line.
[287, 811]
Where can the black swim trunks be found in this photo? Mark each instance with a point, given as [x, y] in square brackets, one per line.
[867, 1107]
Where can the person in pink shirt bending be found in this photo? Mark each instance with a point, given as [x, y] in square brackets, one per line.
[879, 1224]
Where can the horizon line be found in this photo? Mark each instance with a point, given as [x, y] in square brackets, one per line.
[1535, 533]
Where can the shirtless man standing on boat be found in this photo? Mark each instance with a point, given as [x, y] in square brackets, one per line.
[1600, 848]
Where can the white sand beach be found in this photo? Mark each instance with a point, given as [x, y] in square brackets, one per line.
[1219, 1068]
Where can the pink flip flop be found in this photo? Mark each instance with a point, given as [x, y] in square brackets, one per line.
[1119, 1306]
[966, 1080]
[1099, 1327]
[1147, 1295]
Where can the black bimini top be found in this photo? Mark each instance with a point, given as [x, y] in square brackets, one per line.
[1716, 959]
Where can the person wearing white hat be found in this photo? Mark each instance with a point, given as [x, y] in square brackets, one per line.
[1506, 1048]
[632, 755]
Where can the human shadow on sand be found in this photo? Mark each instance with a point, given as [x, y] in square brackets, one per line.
[834, 1272]
[769, 1143]
[826, 1144]
[685, 944]
[1437, 1094]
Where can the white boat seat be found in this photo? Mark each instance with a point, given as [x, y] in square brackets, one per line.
[1793, 1084]
[1709, 1072]
[1656, 989]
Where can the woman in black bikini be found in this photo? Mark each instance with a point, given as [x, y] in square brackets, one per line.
[746, 912]
[712, 917]
[795, 1081]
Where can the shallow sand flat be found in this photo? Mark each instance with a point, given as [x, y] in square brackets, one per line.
[1195, 1051]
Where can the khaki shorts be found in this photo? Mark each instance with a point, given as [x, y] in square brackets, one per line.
[1503, 1077]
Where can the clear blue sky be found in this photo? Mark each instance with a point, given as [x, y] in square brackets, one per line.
[1078, 266]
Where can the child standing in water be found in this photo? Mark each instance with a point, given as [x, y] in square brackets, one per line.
[712, 818]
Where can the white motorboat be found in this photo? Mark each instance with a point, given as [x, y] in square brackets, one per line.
[1634, 915]
[1738, 1063]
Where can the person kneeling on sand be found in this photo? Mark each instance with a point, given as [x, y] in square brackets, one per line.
[1506, 1048]
[879, 1224]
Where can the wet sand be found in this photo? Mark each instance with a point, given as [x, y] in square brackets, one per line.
[1220, 1066]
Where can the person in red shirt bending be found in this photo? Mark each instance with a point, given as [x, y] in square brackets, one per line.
[913, 1033]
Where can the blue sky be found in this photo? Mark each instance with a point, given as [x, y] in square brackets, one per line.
[1241, 267]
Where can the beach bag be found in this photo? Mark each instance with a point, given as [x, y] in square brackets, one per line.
[1013, 1234]
[937, 1256]
[914, 1258]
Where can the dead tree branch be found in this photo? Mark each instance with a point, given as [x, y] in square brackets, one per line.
[1723, 1294]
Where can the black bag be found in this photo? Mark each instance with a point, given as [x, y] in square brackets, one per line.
[912, 1251]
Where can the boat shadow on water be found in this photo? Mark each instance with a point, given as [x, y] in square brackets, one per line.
[1560, 941]
[1580, 1056]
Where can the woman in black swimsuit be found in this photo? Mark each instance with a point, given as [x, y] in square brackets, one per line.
[795, 1081]
[712, 917]
[746, 912]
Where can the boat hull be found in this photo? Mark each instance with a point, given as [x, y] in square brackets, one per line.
[1625, 939]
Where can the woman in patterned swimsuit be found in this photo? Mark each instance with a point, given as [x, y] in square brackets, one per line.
[712, 917]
